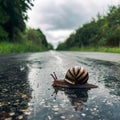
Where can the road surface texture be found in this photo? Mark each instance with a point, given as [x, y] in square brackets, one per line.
[26, 92]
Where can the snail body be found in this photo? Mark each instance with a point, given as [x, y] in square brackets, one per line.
[76, 77]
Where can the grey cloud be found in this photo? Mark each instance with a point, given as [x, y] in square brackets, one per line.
[69, 15]
[65, 16]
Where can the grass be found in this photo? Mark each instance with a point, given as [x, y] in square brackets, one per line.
[7, 48]
[97, 49]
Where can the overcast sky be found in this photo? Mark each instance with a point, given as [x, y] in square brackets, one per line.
[59, 18]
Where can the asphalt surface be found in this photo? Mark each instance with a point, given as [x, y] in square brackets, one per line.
[26, 92]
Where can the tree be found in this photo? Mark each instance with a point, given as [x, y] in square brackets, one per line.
[3, 19]
[15, 16]
[43, 38]
[36, 37]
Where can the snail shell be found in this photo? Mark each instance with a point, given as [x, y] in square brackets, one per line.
[76, 75]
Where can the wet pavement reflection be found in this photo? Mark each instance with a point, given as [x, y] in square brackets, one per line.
[77, 97]
[26, 92]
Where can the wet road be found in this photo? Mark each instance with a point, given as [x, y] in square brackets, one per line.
[26, 91]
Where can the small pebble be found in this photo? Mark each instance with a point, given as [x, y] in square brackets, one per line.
[49, 118]
[83, 114]
[63, 117]
[8, 118]
[20, 117]
[27, 113]
[12, 113]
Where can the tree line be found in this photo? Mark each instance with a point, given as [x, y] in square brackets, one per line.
[13, 15]
[104, 31]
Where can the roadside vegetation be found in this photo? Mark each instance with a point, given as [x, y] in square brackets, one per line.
[15, 37]
[96, 49]
[31, 40]
[100, 34]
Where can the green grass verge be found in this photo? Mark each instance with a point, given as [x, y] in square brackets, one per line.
[97, 49]
[6, 47]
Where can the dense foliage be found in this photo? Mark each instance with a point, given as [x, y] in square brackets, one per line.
[103, 31]
[32, 40]
[36, 37]
[13, 31]
[13, 14]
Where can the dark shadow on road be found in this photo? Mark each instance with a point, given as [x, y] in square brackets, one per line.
[15, 91]
[77, 97]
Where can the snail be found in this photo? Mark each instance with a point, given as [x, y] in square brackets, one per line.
[76, 77]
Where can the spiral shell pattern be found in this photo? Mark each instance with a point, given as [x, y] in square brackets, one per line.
[76, 75]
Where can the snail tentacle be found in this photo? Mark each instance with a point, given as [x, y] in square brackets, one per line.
[54, 76]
